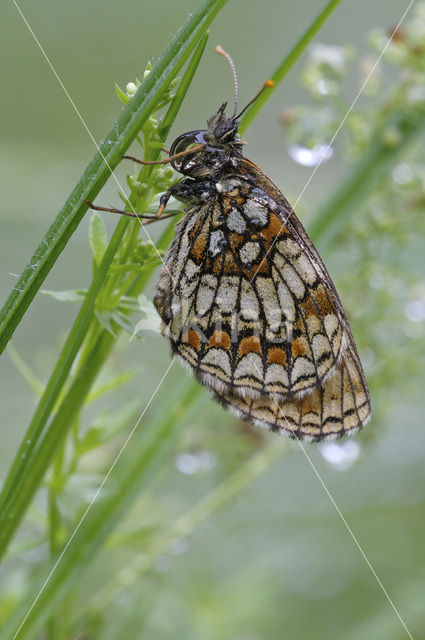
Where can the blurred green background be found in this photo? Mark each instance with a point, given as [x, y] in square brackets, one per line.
[278, 562]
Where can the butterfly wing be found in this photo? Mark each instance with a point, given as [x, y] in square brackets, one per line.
[248, 304]
[338, 407]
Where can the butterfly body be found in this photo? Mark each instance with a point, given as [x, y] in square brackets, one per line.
[247, 302]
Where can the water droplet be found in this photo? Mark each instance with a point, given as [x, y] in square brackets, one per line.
[190, 463]
[341, 456]
[310, 157]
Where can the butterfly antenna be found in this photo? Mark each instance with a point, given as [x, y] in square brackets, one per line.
[267, 85]
[224, 53]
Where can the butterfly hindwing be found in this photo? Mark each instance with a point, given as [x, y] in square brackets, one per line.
[338, 407]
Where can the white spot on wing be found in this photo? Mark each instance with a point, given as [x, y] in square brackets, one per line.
[227, 293]
[250, 366]
[218, 358]
[249, 302]
[255, 211]
[235, 222]
[216, 240]
[205, 296]
[249, 252]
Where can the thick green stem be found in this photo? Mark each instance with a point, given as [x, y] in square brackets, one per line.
[27, 482]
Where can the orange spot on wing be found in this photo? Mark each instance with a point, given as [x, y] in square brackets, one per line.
[192, 338]
[299, 347]
[274, 229]
[308, 308]
[220, 339]
[198, 248]
[323, 300]
[230, 266]
[250, 344]
[276, 355]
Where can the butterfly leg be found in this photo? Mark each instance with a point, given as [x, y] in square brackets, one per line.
[148, 218]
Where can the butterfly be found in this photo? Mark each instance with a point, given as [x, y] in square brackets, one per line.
[246, 300]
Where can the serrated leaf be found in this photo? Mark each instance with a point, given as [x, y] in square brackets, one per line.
[97, 237]
[71, 295]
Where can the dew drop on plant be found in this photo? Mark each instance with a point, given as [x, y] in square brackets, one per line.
[340, 455]
[310, 157]
[191, 463]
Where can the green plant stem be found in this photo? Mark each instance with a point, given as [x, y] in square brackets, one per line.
[57, 379]
[54, 518]
[131, 473]
[374, 165]
[105, 160]
[288, 62]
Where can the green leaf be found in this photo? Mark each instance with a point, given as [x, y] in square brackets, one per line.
[122, 320]
[115, 382]
[107, 425]
[98, 237]
[121, 94]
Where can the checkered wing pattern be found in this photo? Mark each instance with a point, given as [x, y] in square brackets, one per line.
[248, 304]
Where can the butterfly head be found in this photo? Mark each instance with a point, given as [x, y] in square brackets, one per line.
[220, 142]
[220, 139]
[221, 128]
